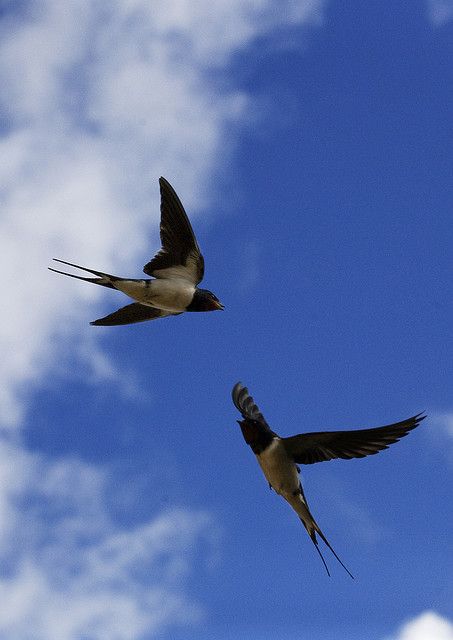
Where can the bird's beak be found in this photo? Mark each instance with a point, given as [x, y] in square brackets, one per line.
[218, 306]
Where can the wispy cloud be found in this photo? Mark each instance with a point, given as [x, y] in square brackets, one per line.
[429, 625]
[97, 101]
[440, 437]
[69, 571]
[440, 11]
[444, 421]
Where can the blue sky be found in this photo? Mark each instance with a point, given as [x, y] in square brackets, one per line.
[310, 144]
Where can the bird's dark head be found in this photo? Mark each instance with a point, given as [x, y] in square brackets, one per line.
[255, 430]
[255, 434]
[204, 300]
[250, 430]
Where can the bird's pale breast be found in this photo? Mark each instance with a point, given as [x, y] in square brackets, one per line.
[170, 294]
[279, 469]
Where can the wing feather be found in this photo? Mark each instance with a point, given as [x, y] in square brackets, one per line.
[180, 254]
[245, 404]
[308, 448]
[131, 314]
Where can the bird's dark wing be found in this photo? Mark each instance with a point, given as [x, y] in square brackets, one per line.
[180, 255]
[245, 404]
[308, 448]
[131, 313]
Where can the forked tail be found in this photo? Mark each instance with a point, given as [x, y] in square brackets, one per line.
[104, 279]
[312, 528]
[323, 537]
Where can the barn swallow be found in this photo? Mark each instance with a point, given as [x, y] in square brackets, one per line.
[278, 457]
[177, 268]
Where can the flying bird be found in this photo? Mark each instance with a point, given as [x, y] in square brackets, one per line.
[177, 269]
[278, 457]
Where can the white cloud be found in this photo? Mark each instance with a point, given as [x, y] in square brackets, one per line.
[97, 101]
[445, 421]
[427, 626]
[440, 11]
[70, 572]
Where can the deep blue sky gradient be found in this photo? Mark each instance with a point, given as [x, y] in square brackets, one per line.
[331, 250]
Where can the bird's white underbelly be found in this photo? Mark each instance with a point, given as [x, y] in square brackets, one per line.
[168, 294]
[171, 294]
[279, 469]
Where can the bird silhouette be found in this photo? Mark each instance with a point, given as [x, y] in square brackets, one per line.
[278, 457]
[177, 269]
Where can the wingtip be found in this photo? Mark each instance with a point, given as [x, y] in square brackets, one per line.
[419, 417]
[237, 395]
[238, 387]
